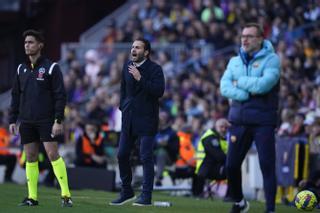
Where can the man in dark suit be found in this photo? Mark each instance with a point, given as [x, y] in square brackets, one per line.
[141, 87]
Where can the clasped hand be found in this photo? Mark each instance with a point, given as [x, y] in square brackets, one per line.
[135, 72]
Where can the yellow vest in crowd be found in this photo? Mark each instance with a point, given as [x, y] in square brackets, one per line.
[200, 154]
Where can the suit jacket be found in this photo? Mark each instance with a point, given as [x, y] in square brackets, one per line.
[139, 101]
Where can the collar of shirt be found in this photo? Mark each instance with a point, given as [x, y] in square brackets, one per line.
[139, 64]
[33, 65]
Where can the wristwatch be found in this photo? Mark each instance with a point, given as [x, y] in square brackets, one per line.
[58, 121]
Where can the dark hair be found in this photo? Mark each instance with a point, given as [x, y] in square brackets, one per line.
[37, 34]
[147, 45]
[257, 26]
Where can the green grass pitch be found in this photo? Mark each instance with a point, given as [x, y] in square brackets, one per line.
[88, 201]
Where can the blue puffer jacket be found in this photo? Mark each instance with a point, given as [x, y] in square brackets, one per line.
[255, 94]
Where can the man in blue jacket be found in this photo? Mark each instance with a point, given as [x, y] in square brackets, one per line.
[251, 81]
[141, 87]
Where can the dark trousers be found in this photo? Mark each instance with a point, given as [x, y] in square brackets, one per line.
[240, 140]
[207, 171]
[10, 162]
[126, 145]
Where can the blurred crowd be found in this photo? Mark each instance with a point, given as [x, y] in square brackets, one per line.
[192, 98]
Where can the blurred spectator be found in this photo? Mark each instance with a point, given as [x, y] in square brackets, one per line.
[167, 146]
[211, 156]
[93, 65]
[114, 114]
[186, 163]
[90, 147]
[314, 140]
[179, 13]
[7, 158]
[297, 126]
[149, 10]
[110, 34]
[94, 110]
[287, 116]
[211, 12]
[160, 21]
[167, 64]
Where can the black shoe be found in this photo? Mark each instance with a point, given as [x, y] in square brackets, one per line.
[29, 202]
[143, 201]
[66, 202]
[122, 200]
[236, 208]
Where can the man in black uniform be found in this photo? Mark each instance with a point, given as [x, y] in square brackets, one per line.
[141, 87]
[38, 102]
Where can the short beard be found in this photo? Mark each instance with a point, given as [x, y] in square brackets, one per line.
[139, 59]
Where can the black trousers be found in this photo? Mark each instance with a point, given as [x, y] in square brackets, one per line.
[10, 162]
[207, 171]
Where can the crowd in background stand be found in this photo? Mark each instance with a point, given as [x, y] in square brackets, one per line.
[192, 97]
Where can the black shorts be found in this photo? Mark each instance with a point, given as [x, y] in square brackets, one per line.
[36, 132]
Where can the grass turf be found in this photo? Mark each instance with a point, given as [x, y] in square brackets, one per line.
[97, 201]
